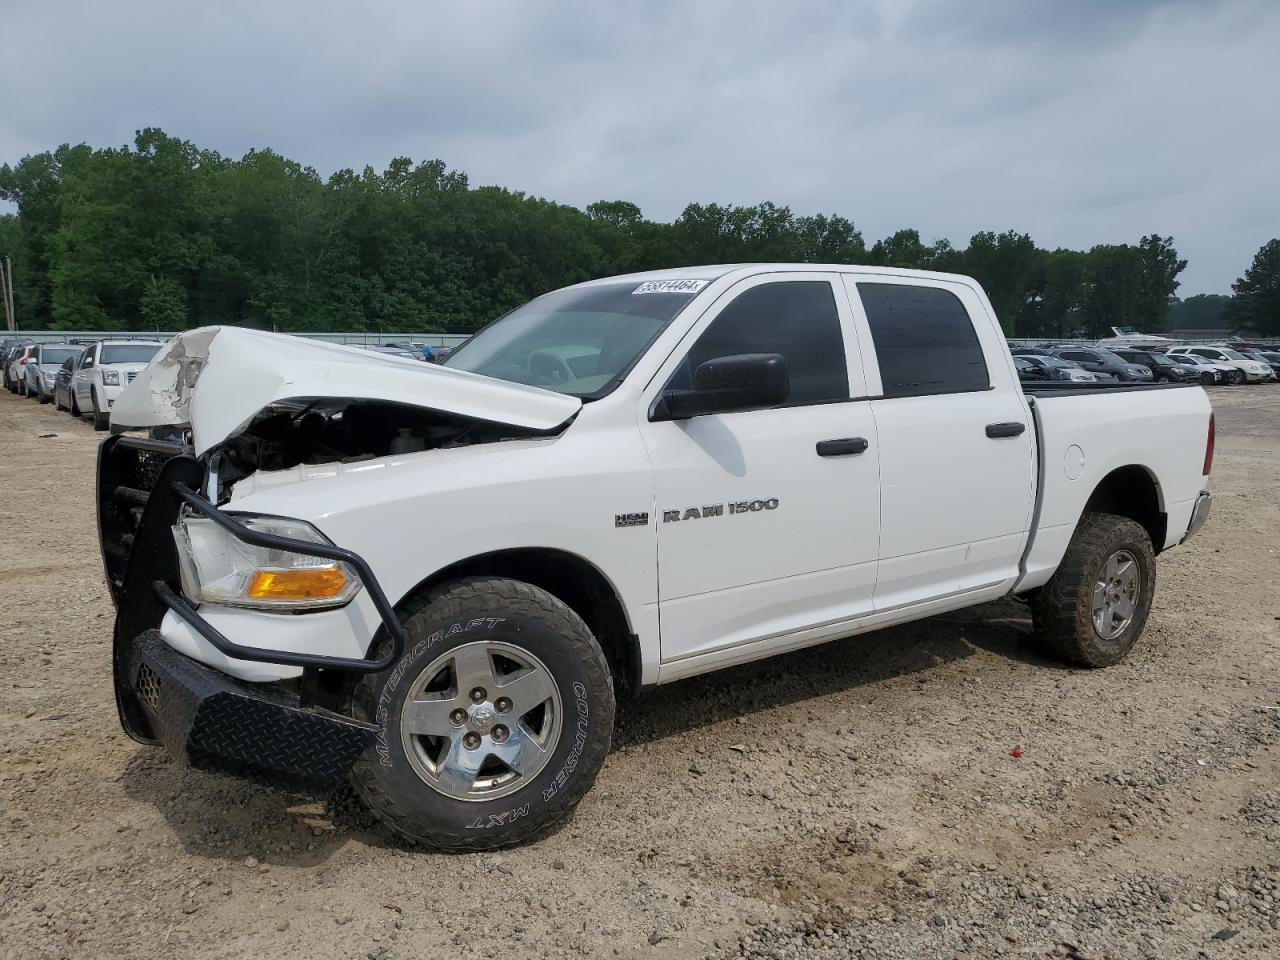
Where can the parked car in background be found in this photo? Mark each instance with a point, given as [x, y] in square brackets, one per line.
[106, 367]
[1220, 371]
[1019, 351]
[42, 368]
[1265, 356]
[10, 349]
[1253, 371]
[1164, 367]
[439, 354]
[1055, 368]
[1028, 372]
[16, 369]
[1104, 361]
[62, 381]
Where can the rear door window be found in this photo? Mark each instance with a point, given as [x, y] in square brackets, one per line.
[925, 340]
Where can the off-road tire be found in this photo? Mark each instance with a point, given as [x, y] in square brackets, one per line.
[75, 407]
[495, 609]
[44, 397]
[1062, 609]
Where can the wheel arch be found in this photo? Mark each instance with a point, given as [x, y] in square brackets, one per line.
[1133, 491]
[572, 579]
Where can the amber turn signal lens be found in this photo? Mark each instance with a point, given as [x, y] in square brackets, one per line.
[317, 584]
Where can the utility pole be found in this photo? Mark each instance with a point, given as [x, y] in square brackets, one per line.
[6, 286]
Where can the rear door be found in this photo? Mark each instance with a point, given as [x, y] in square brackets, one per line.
[767, 519]
[957, 470]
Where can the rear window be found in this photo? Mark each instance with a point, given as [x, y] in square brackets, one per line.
[52, 356]
[128, 352]
[925, 342]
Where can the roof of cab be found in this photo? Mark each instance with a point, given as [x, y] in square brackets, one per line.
[716, 271]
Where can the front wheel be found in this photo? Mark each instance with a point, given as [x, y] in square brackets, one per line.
[1092, 611]
[100, 419]
[1235, 378]
[494, 722]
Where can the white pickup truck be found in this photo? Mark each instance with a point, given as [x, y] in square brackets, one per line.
[436, 580]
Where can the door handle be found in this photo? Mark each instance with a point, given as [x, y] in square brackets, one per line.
[1013, 429]
[847, 447]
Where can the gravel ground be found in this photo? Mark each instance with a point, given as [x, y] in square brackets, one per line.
[938, 790]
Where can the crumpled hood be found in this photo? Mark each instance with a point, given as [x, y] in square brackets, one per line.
[216, 379]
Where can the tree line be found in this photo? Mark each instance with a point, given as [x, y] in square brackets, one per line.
[165, 235]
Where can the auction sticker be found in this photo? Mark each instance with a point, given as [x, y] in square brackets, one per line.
[670, 286]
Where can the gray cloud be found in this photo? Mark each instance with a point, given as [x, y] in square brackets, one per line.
[1078, 122]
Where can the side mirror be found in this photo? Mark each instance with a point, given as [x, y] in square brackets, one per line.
[746, 381]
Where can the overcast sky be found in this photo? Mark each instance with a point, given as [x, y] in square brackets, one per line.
[1079, 122]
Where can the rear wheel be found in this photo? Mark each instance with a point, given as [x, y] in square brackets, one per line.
[493, 724]
[1093, 610]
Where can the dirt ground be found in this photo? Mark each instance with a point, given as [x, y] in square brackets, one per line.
[861, 799]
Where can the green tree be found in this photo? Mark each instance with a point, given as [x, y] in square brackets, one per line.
[1256, 304]
[1204, 311]
[163, 305]
[1113, 289]
[1160, 268]
[1006, 266]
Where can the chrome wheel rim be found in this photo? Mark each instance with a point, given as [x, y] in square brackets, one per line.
[481, 720]
[1115, 594]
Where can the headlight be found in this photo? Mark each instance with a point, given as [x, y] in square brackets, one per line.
[111, 378]
[217, 568]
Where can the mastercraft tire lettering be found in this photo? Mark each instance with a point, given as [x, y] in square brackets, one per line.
[494, 722]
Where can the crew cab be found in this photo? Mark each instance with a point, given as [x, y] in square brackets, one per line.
[106, 368]
[435, 580]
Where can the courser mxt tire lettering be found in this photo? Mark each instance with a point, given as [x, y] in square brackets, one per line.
[472, 612]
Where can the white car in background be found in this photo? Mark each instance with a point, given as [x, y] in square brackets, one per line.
[106, 368]
[1223, 372]
[1255, 371]
[42, 367]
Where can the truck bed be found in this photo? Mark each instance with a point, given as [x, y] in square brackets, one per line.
[1066, 389]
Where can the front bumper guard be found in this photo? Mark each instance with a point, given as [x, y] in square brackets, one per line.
[214, 722]
[187, 611]
[269, 732]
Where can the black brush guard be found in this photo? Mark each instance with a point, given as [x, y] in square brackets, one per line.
[204, 717]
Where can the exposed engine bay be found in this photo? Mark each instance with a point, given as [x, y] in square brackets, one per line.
[331, 430]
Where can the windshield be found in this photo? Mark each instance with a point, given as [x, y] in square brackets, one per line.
[579, 341]
[1234, 354]
[52, 356]
[128, 352]
[1057, 362]
[1160, 360]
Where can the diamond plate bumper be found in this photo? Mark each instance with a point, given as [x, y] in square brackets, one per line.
[215, 722]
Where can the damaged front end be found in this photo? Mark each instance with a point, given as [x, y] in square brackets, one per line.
[244, 402]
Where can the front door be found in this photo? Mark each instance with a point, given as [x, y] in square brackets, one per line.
[767, 519]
